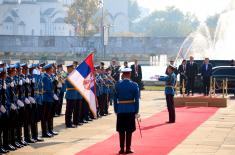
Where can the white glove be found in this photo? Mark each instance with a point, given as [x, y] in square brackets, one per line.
[32, 100]
[59, 85]
[4, 85]
[27, 80]
[26, 100]
[3, 109]
[56, 78]
[13, 107]
[20, 103]
[20, 82]
[137, 116]
[12, 84]
[33, 80]
[55, 97]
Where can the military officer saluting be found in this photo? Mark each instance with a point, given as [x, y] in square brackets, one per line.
[170, 91]
[126, 106]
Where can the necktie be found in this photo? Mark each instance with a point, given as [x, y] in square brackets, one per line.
[136, 70]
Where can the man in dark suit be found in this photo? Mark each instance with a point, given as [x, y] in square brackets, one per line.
[182, 72]
[206, 71]
[191, 73]
[136, 74]
[115, 70]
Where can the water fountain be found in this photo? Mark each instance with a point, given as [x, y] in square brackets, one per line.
[200, 44]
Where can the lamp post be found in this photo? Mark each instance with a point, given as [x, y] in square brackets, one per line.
[101, 3]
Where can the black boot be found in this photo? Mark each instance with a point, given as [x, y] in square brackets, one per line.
[128, 143]
[122, 142]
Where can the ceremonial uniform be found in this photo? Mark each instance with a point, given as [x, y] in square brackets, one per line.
[169, 92]
[4, 115]
[48, 99]
[13, 109]
[21, 105]
[73, 106]
[126, 106]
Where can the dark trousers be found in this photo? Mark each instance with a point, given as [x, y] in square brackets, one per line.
[60, 104]
[170, 107]
[5, 130]
[69, 111]
[206, 85]
[190, 85]
[13, 125]
[47, 118]
[125, 136]
[85, 110]
[20, 123]
[77, 112]
[181, 84]
[27, 121]
[34, 121]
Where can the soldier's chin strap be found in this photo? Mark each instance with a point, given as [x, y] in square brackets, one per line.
[137, 116]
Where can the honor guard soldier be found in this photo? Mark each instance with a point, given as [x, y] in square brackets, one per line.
[61, 77]
[20, 102]
[5, 145]
[28, 104]
[74, 103]
[126, 106]
[48, 99]
[35, 117]
[170, 80]
[12, 99]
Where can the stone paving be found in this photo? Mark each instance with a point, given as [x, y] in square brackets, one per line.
[214, 137]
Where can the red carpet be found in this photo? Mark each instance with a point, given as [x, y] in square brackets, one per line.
[159, 138]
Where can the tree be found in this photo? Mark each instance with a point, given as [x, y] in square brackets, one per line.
[168, 23]
[80, 15]
[133, 11]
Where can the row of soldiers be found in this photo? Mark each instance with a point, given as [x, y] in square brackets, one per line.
[77, 110]
[34, 93]
[29, 94]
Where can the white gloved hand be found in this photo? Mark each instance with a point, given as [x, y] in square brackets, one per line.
[55, 97]
[4, 85]
[59, 85]
[26, 100]
[20, 82]
[56, 78]
[12, 84]
[27, 80]
[3, 109]
[137, 116]
[13, 107]
[20, 103]
[32, 100]
[33, 81]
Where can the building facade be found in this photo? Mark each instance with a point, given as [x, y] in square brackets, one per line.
[47, 17]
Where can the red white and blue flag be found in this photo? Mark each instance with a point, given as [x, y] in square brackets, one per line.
[82, 78]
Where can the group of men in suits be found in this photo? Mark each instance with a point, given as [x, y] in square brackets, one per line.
[188, 72]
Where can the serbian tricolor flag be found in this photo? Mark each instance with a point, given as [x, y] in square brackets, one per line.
[82, 78]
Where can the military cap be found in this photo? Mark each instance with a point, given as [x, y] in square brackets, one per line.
[17, 65]
[47, 66]
[24, 65]
[172, 67]
[70, 65]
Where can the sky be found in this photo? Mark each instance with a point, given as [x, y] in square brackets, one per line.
[201, 8]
